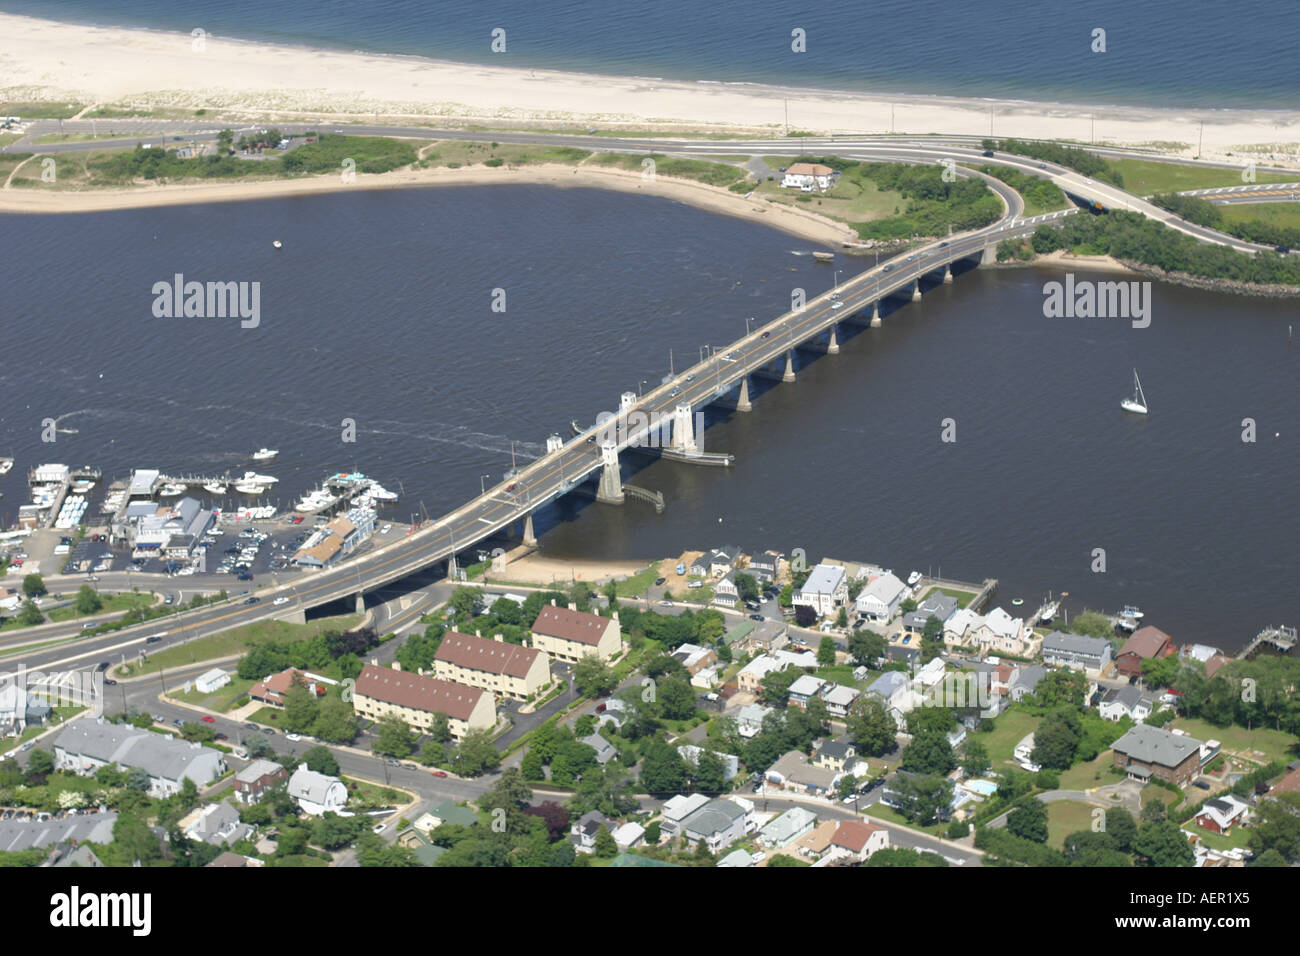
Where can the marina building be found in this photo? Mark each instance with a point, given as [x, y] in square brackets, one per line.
[337, 539]
[173, 530]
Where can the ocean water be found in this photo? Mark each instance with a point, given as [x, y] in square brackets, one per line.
[1183, 53]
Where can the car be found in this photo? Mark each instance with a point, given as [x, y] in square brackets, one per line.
[379, 827]
[269, 731]
[907, 639]
[294, 737]
[296, 519]
[757, 617]
[1042, 165]
[244, 576]
[911, 258]
[208, 719]
[103, 665]
[252, 726]
[178, 722]
[281, 600]
[1284, 250]
[766, 334]
[659, 581]
[253, 600]
[691, 377]
[170, 599]
[154, 638]
[393, 762]
[221, 737]
[440, 773]
[943, 244]
[888, 269]
[510, 487]
[675, 392]
[665, 603]
[109, 682]
[837, 305]
[87, 626]
[987, 152]
[1200, 784]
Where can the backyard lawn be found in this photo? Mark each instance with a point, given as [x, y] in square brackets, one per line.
[1262, 744]
[1065, 817]
[1009, 729]
[1094, 773]
[221, 701]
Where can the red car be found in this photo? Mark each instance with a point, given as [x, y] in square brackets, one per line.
[297, 519]
[440, 773]
[208, 720]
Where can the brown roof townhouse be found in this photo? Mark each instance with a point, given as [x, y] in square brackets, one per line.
[383, 691]
[508, 670]
[569, 635]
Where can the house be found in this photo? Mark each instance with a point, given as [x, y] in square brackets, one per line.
[629, 836]
[16, 835]
[569, 635]
[230, 860]
[725, 591]
[809, 177]
[255, 779]
[880, 600]
[960, 629]
[936, 604]
[749, 719]
[507, 670]
[839, 698]
[817, 841]
[722, 560]
[421, 845]
[894, 688]
[856, 841]
[1080, 653]
[804, 689]
[1147, 752]
[835, 755]
[825, 590]
[930, 674]
[1027, 681]
[1000, 633]
[384, 691]
[450, 813]
[271, 691]
[675, 812]
[1147, 643]
[730, 762]
[209, 682]
[1221, 813]
[87, 745]
[767, 635]
[584, 830]
[750, 677]
[765, 566]
[901, 654]
[694, 657]
[605, 751]
[794, 771]
[20, 710]
[218, 824]
[68, 854]
[787, 827]
[736, 858]
[317, 793]
[1126, 702]
[719, 822]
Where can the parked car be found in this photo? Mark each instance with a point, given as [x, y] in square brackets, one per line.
[756, 617]
[440, 773]
[659, 581]
[244, 576]
[220, 737]
[1200, 784]
[208, 719]
[103, 665]
[379, 827]
[294, 737]
[109, 682]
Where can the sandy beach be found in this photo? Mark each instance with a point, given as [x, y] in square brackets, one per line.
[153, 69]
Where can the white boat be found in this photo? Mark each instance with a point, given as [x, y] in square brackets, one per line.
[250, 488]
[1131, 612]
[252, 476]
[215, 487]
[1048, 611]
[265, 454]
[82, 485]
[1138, 403]
[277, 244]
[379, 493]
[913, 578]
[172, 490]
[317, 500]
[5, 465]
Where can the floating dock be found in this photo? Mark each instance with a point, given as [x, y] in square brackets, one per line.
[1282, 639]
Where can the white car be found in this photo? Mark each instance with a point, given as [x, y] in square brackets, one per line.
[281, 600]
[837, 305]
[385, 529]
[379, 827]
[294, 737]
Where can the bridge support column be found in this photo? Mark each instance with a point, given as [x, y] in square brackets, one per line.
[295, 617]
[683, 440]
[875, 314]
[916, 290]
[611, 481]
[789, 367]
[742, 403]
[947, 274]
[453, 569]
[361, 603]
[990, 256]
[833, 346]
[530, 539]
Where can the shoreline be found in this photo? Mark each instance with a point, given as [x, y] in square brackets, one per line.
[47, 60]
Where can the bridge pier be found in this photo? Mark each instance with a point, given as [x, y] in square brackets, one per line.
[833, 347]
[611, 481]
[361, 603]
[530, 539]
[947, 274]
[916, 290]
[298, 616]
[990, 255]
[789, 367]
[743, 403]
[683, 440]
[875, 314]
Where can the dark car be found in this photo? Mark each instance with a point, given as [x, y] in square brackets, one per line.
[1282, 249]
[109, 682]
[252, 726]
[103, 665]
[659, 581]
[888, 269]
[244, 576]
[220, 737]
[178, 722]
[1201, 784]
[253, 600]
[766, 334]
[757, 617]
[987, 152]
[600, 708]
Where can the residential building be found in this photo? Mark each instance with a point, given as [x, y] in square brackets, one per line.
[1222, 813]
[569, 635]
[383, 691]
[749, 719]
[676, 810]
[817, 842]
[895, 689]
[1027, 681]
[1000, 633]
[835, 755]
[787, 827]
[87, 745]
[1147, 752]
[217, 824]
[1089, 654]
[69, 855]
[825, 591]
[209, 682]
[629, 836]
[694, 657]
[809, 177]
[856, 841]
[271, 691]
[449, 812]
[425, 851]
[722, 560]
[230, 860]
[764, 566]
[880, 600]
[936, 604]
[20, 710]
[16, 835]
[507, 670]
[725, 591]
[730, 762]
[1147, 643]
[794, 771]
[718, 823]
[839, 698]
[317, 793]
[605, 751]
[255, 779]
[804, 689]
[750, 677]
[584, 830]
[1126, 701]
[736, 858]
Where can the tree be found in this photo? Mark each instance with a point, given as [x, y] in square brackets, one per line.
[594, 677]
[1054, 743]
[332, 831]
[1061, 686]
[652, 834]
[605, 845]
[135, 841]
[1122, 827]
[440, 727]
[42, 762]
[585, 725]
[321, 760]
[842, 619]
[907, 606]
[676, 699]
[393, 737]
[663, 772]
[1270, 858]
[532, 766]
[464, 601]
[932, 645]
[476, 753]
[1278, 827]
[974, 757]
[922, 798]
[196, 732]
[510, 790]
[866, 647]
[301, 709]
[87, 601]
[747, 585]
[29, 614]
[1089, 848]
[776, 685]
[34, 585]
[804, 615]
[786, 596]
[1092, 624]
[292, 840]
[335, 722]
[709, 773]
[553, 816]
[1160, 671]
[826, 650]
[1029, 820]
[871, 727]
[929, 753]
[1162, 843]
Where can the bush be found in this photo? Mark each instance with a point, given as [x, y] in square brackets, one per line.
[958, 829]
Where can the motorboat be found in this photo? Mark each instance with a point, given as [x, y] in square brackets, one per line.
[250, 488]
[1138, 403]
[252, 476]
[172, 490]
[6, 464]
[215, 487]
[1048, 611]
[265, 454]
[1132, 613]
[913, 579]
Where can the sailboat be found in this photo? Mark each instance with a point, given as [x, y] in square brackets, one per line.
[1138, 403]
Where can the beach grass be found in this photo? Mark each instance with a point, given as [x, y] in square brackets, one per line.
[40, 109]
[1145, 176]
[711, 174]
[452, 153]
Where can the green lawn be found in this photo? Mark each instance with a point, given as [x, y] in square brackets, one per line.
[1261, 744]
[1094, 773]
[963, 597]
[267, 715]
[636, 585]
[849, 200]
[1144, 176]
[362, 795]
[1238, 836]
[1065, 817]
[1282, 214]
[1151, 793]
[223, 700]
[882, 812]
[110, 602]
[1009, 729]
[238, 640]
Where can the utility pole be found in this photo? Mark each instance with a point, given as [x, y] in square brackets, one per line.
[1200, 138]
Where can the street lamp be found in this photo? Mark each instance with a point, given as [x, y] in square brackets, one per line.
[482, 487]
[748, 330]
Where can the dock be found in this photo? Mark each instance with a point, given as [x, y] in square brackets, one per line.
[1282, 639]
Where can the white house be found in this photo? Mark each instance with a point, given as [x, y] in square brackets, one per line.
[880, 600]
[826, 589]
[1126, 701]
[211, 681]
[725, 592]
[719, 822]
[809, 176]
[317, 793]
[87, 745]
[730, 762]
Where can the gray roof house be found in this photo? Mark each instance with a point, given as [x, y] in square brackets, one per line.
[1126, 701]
[65, 854]
[1028, 680]
[219, 824]
[936, 604]
[1076, 651]
[18, 835]
[87, 745]
[605, 751]
[718, 823]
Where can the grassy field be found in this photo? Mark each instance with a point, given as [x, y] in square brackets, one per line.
[882, 812]
[1238, 836]
[1282, 214]
[1151, 793]
[1261, 744]
[1145, 176]
[111, 603]
[1094, 773]
[1008, 730]
[1065, 817]
[223, 700]
[237, 640]
[849, 200]
[712, 174]
[40, 109]
[637, 583]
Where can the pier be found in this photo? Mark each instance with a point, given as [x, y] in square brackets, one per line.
[1282, 639]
